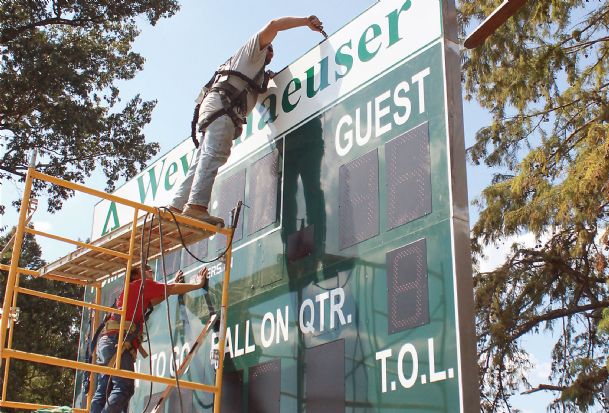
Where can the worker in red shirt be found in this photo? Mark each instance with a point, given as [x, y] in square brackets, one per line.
[112, 394]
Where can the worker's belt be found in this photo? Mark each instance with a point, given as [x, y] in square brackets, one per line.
[232, 98]
[132, 340]
[234, 105]
[113, 326]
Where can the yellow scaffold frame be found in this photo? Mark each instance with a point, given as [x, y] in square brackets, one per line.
[13, 289]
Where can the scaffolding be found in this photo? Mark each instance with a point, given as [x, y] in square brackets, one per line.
[89, 265]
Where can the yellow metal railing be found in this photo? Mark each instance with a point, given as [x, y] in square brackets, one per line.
[7, 325]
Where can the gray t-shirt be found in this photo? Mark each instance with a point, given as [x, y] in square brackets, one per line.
[249, 60]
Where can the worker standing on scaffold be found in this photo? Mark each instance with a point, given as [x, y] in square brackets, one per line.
[112, 394]
[221, 111]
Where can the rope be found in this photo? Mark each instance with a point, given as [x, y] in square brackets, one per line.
[173, 358]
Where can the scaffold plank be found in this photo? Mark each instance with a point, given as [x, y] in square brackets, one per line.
[93, 265]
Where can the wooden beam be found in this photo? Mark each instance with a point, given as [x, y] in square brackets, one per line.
[506, 10]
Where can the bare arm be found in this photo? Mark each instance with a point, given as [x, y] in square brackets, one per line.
[178, 288]
[268, 32]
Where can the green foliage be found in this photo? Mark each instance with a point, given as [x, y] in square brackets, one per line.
[59, 61]
[544, 77]
[44, 327]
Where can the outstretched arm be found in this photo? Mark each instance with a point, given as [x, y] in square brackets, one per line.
[178, 288]
[182, 288]
[268, 32]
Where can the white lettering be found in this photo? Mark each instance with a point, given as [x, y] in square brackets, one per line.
[160, 365]
[216, 270]
[433, 374]
[267, 341]
[379, 112]
[336, 308]
[321, 298]
[362, 140]
[174, 361]
[408, 382]
[228, 346]
[248, 348]
[238, 351]
[307, 327]
[383, 356]
[282, 325]
[384, 105]
[348, 136]
[419, 78]
[402, 102]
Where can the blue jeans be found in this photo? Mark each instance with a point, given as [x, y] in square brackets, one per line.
[112, 394]
[215, 149]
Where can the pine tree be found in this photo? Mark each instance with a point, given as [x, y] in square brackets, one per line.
[544, 78]
[44, 327]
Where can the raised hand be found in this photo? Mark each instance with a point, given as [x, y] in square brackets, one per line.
[315, 24]
[202, 275]
[179, 277]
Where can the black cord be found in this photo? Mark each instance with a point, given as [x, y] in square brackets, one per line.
[173, 358]
[177, 224]
[210, 307]
[144, 260]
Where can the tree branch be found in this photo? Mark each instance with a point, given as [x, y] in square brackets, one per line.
[11, 171]
[541, 387]
[578, 47]
[553, 315]
[12, 33]
[550, 110]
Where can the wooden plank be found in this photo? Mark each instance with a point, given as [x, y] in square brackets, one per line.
[66, 274]
[91, 261]
[87, 270]
[94, 265]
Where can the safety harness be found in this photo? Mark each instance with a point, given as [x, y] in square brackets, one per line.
[111, 325]
[234, 101]
[133, 336]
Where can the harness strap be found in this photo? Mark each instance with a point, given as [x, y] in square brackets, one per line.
[126, 347]
[227, 109]
[251, 82]
[234, 96]
[93, 342]
[131, 342]
[207, 122]
[112, 327]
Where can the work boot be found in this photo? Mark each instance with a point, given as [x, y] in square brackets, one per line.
[200, 213]
[173, 209]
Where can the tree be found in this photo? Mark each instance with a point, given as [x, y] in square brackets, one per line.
[59, 61]
[44, 327]
[543, 76]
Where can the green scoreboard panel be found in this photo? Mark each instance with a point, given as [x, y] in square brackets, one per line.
[351, 279]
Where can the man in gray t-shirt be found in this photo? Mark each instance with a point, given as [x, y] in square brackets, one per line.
[236, 94]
